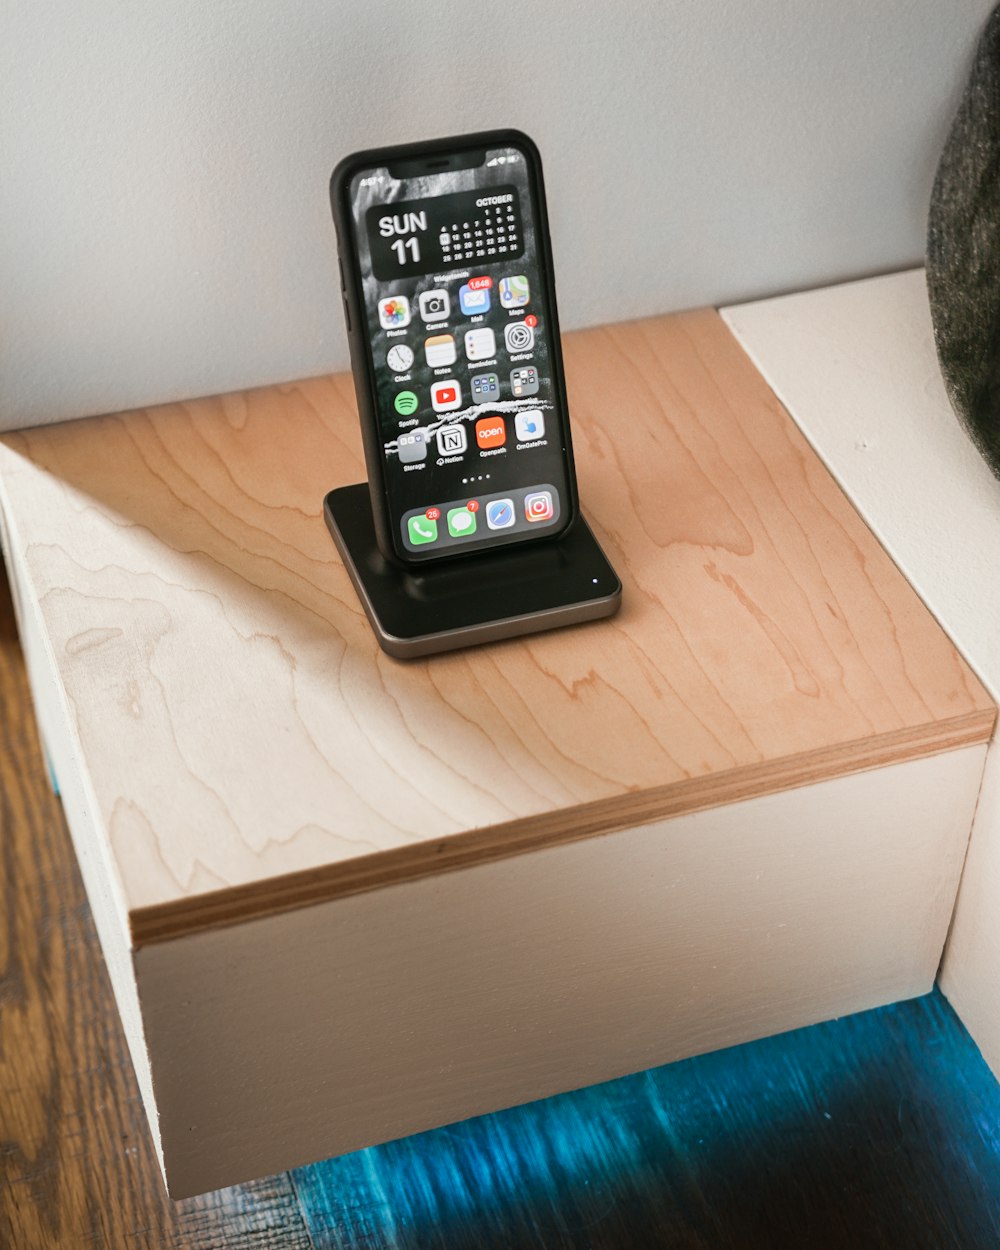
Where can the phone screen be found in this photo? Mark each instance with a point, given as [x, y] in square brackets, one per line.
[461, 329]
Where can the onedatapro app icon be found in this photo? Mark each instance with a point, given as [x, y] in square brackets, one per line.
[394, 312]
[538, 506]
[529, 425]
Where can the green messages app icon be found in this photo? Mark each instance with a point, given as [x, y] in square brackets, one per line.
[406, 402]
[461, 522]
[421, 530]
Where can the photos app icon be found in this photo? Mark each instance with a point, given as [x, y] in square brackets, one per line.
[394, 312]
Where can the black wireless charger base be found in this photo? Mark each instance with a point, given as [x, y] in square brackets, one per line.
[499, 594]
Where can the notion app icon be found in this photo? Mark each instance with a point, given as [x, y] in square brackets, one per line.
[440, 350]
[538, 506]
[394, 312]
[491, 432]
[452, 440]
[529, 425]
[500, 514]
[446, 396]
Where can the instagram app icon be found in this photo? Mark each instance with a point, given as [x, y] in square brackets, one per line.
[538, 507]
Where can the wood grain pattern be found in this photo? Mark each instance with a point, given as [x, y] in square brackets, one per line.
[249, 747]
[77, 1165]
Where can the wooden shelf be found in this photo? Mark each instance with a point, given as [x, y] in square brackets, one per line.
[251, 749]
[234, 747]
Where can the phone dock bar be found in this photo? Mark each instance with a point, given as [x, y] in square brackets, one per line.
[498, 594]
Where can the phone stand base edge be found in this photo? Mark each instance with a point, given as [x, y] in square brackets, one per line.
[506, 593]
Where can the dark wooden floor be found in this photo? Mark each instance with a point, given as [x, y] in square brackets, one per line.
[880, 1130]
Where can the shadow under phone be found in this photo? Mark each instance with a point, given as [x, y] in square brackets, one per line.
[498, 594]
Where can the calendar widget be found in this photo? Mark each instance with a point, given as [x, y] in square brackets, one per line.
[444, 232]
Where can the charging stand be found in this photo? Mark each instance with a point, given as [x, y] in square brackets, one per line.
[499, 594]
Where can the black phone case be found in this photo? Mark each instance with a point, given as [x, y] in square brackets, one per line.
[361, 366]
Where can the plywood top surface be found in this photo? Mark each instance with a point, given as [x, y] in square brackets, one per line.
[248, 746]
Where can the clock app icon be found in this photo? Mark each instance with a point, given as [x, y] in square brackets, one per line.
[399, 358]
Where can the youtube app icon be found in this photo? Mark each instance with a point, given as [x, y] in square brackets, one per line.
[446, 396]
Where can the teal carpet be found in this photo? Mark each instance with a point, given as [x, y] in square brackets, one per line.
[877, 1130]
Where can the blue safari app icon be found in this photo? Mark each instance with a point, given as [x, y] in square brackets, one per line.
[500, 514]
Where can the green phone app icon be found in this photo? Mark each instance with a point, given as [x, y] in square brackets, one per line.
[421, 530]
[461, 522]
[406, 402]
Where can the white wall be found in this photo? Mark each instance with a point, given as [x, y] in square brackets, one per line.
[164, 226]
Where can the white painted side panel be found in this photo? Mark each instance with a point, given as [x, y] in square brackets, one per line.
[164, 207]
[100, 878]
[855, 366]
[330, 1028]
[970, 974]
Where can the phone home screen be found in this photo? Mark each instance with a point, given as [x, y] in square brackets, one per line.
[473, 430]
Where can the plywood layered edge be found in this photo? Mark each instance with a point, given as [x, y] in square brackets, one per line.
[276, 894]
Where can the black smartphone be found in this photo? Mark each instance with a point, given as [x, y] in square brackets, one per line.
[449, 296]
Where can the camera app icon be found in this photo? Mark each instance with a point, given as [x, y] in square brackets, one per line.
[435, 305]
[519, 337]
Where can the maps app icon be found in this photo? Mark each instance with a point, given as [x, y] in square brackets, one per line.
[514, 292]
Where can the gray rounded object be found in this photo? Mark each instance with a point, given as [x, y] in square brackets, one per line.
[963, 252]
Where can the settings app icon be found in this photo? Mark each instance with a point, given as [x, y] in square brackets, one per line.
[519, 337]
